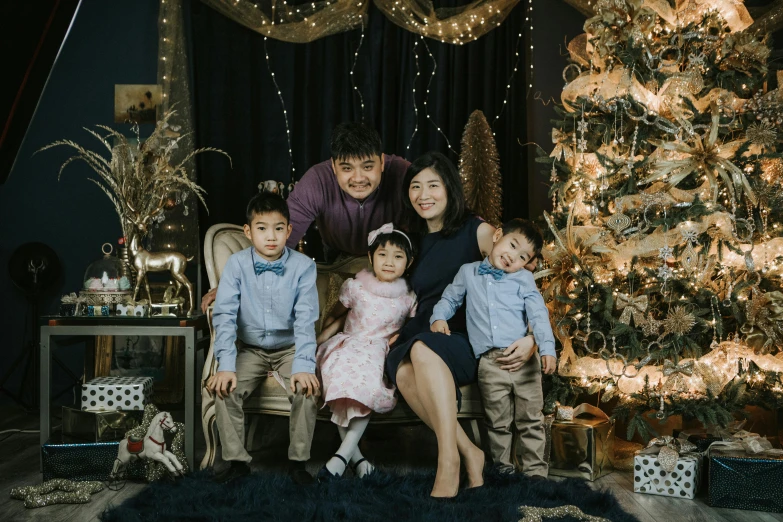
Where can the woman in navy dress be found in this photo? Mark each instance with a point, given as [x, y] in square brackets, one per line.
[428, 367]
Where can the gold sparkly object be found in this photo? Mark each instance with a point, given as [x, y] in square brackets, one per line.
[56, 491]
[480, 170]
[632, 307]
[771, 169]
[538, 514]
[762, 134]
[703, 155]
[679, 321]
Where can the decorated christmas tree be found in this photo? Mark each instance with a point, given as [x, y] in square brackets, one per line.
[663, 258]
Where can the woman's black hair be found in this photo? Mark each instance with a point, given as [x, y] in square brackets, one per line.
[456, 210]
[395, 239]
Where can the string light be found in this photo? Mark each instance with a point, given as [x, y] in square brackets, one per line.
[285, 113]
[511, 78]
[353, 81]
[415, 108]
[427, 94]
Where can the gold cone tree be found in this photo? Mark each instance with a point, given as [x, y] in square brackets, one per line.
[664, 253]
[479, 169]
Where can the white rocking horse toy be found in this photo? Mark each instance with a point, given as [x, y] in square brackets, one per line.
[152, 446]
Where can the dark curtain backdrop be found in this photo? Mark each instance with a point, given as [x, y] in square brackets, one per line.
[238, 110]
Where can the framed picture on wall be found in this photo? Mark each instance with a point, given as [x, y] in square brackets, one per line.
[136, 103]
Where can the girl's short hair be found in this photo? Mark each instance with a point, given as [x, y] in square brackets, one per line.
[395, 239]
[456, 210]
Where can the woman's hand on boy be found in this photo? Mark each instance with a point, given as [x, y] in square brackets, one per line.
[222, 383]
[208, 299]
[307, 381]
[548, 364]
[440, 326]
[516, 355]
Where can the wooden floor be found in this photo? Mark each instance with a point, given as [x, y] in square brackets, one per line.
[20, 453]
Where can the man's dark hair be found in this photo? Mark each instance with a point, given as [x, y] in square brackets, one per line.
[264, 203]
[456, 210]
[528, 229]
[353, 140]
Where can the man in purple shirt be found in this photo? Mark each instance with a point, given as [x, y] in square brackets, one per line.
[355, 192]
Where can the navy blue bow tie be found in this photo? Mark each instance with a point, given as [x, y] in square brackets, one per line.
[276, 267]
[486, 268]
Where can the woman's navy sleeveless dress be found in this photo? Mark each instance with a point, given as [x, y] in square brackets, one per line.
[438, 262]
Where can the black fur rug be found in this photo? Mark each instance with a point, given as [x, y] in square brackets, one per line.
[383, 496]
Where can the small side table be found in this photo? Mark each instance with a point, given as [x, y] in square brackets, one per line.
[188, 327]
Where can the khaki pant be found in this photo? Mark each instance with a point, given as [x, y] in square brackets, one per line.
[512, 405]
[253, 364]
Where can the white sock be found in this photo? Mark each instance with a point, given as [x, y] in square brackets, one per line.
[351, 437]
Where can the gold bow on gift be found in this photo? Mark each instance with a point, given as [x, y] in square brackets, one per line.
[561, 150]
[632, 307]
[669, 449]
[669, 368]
[168, 296]
[130, 302]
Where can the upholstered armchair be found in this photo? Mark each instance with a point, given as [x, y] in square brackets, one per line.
[223, 240]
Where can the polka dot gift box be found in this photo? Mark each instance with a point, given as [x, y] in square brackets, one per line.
[116, 393]
[681, 482]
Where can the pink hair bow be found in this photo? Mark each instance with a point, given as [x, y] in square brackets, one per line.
[388, 228]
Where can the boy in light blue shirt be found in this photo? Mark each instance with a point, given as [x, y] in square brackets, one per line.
[264, 319]
[502, 299]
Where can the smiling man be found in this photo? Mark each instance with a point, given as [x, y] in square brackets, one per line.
[348, 196]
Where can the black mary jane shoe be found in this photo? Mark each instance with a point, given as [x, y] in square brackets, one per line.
[355, 468]
[324, 475]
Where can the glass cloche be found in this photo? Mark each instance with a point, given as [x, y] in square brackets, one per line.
[105, 280]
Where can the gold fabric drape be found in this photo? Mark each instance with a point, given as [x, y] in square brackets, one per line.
[308, 22]
[295, 23]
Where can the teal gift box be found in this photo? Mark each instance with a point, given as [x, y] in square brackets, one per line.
[741, 480]
[84, 460]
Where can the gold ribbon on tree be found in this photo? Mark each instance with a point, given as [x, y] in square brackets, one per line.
[562, 149]
[632, 307]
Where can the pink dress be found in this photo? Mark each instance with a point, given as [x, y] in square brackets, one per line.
[351, 363]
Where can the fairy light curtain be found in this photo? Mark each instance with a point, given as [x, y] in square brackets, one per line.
[238, 108]
[303, 22]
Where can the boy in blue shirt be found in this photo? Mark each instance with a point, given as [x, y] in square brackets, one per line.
[264, 319]
[502, 299]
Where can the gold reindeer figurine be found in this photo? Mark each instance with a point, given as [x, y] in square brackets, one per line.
[144, 261]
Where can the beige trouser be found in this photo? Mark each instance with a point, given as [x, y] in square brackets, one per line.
[253, 364]
[512, 403]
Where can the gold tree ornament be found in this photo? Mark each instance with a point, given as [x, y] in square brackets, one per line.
[479, 169]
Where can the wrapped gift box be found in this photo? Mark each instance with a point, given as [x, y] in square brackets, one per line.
[682, 482]
[700, 438]
[132, 310]
[583, 446]
[98, 310]
[84, 461]
[98, 426]
[116, 393]
[69, 309]
[741, 480]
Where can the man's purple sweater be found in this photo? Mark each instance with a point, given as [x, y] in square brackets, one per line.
[343, 221]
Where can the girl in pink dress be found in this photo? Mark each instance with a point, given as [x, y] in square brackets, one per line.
[351, 363]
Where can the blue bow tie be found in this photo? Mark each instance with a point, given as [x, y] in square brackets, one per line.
[276, 267]
[486, 268]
